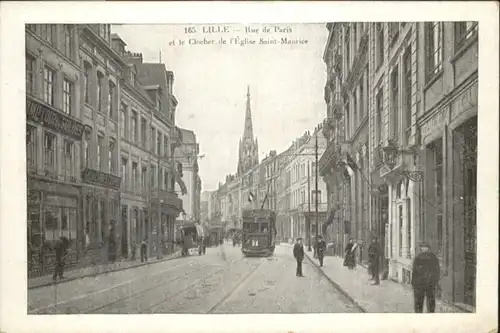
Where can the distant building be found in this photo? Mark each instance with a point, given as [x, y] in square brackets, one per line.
[186, 155]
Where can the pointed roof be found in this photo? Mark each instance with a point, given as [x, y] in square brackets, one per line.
[248, 131]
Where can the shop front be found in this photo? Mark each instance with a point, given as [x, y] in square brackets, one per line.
[52, 213]
[101, 230]
[450, 193]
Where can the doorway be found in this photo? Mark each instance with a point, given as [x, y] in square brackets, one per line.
[124, 250]
[469, 158]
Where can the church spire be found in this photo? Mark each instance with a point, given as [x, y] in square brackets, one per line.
[248, 132]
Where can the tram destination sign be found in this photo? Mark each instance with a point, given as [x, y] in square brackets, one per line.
[57, 121]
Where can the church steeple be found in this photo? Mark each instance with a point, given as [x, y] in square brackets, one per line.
[248, 148]
[248, 131]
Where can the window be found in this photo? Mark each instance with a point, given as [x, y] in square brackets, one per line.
[380, 44]
[111, 159]
[68, 160]
[160, 178]
[361, 98]
[393, 32]
[99, 152]
[158, 143]
[153, 138]
[48, 85]
[355, 111]
[144, 140]
[124, 173]
[165, 146]
[122, 121]
[464, 31]
[86, 152]
[165, 179]
[395, 104]
[436, 149]
[433, 49]
[153, 175]
[159, 105]
[408, 228]
[49, 33]
[380, 105]
[68, 41]
[134, 137]
[86, 81]
[134, 177]
[30, 71]
[111, 100]
[67, 96]
[347, 48]
[49, 145]
[347, 120]
[31, 147]
[100, 80]
[407, 92]
[144, 175]
[401, 230]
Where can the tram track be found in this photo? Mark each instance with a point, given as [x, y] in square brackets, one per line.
[232, 292]
[150, 309]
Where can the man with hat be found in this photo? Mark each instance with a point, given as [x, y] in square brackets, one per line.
[298, 253]
[424, 279]
[374, 259]
[320, 249]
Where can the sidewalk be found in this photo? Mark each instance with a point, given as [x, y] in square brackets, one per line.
[79, 273]
[387, 297]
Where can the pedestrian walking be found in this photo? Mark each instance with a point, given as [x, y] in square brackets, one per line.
[350, 254]
[61, 247]
[425, 277]
[374, 260]
[298, 253]
[320, 248]
[144, 250]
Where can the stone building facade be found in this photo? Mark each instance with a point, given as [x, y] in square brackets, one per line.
[87, 113]
[419, 150]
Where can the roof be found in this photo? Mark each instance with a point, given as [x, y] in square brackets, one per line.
[151, 74]
[188, 136]
[116, 36]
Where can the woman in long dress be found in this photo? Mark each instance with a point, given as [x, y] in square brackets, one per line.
[350, 254]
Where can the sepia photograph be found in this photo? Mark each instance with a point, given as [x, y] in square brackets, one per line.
[281, 171]
[361, 194]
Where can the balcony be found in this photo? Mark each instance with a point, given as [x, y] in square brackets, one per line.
[329, 158]
[100, 178]
[166, 197]
[304, 207]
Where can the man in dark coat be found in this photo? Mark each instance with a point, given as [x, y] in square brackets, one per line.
[425, 277]
[320, 249]
[61, 248]
[374, 260]
[144, 250]
[298, 253]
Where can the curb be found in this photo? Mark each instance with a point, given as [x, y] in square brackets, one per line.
[176, 255]
[337, 286]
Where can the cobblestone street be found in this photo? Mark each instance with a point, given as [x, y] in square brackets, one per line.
[222, 281]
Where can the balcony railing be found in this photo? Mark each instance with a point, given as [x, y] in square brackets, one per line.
[304, 207]
[166, 197]
[329, 157]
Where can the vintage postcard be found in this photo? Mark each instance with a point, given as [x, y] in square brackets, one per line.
[177, 163]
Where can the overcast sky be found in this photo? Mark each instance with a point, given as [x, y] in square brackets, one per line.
[286, 86]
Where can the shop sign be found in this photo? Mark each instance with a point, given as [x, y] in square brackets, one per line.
[57, 121]
[437, 122]
[467, 100]
[101, 178]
